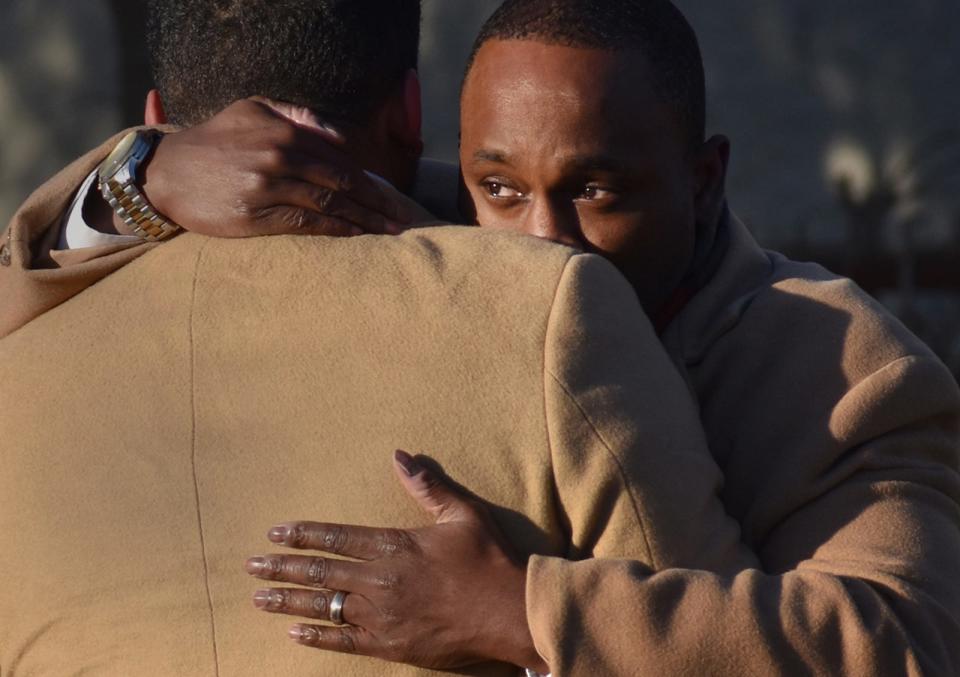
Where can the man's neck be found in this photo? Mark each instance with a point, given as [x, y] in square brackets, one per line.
[711, 246]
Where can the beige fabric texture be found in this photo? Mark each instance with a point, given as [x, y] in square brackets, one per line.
[35, 277]
[156, 424]
[30, 283]
[837, 432]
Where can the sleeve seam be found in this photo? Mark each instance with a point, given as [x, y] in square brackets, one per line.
[548, 330]
[616, 462]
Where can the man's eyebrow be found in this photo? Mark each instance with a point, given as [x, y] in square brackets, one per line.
[497, 156]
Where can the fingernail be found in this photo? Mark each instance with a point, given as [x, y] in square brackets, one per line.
[393, 228]
[296, 633]
[261, 598]
[278, 534]
[410, 466]
[255, 565]
[356, 231]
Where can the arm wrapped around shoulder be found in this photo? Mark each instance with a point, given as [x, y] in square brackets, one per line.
[630, 456]
[864, 580]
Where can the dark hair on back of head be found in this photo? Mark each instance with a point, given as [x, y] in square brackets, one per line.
[341, 58]
[654, 28]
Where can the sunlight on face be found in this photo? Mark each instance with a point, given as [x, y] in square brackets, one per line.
[573, 145]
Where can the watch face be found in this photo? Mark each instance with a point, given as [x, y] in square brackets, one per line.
[115, 160]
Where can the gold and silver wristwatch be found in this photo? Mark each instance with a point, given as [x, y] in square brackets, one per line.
[118, 185]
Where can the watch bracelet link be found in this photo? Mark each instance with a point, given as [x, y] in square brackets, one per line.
[125, 198]
[132, 207]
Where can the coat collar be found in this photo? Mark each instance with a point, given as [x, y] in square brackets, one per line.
[719, 302]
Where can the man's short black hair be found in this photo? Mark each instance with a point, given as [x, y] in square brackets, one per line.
[654, 28]
[341, 58]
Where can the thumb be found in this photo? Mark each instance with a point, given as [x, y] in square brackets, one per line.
[434, 494]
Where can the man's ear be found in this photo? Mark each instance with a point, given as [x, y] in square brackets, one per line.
[153, 113]
[710, 173]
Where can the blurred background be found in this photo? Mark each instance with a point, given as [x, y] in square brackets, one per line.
[843, 117]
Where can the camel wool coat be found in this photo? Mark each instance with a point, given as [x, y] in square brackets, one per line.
[837, 433]
[157, 424]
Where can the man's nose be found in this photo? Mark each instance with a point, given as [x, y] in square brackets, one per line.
[556, 221]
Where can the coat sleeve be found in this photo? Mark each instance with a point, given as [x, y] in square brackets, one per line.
[30, 282]
[865, 581]
[633, 473]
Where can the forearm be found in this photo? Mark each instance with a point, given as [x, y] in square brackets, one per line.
[880, 598]
[696, 623]
[859, 539]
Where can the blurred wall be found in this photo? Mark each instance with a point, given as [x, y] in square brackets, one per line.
[846, 141]
[827, 103]
[59, 89]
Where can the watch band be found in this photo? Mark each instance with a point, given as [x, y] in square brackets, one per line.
[118, 185]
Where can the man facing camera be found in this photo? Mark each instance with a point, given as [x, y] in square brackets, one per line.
[583, 122]
[158, 422]
[835, 428]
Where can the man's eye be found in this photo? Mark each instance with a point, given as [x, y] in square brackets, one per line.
[500, 190]
[595, 193]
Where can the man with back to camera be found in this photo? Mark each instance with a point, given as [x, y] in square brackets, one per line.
[156, 422]
[858, 446]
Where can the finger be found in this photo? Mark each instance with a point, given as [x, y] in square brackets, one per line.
[313, 604]
[367, 192]
[328, 168]
[328, 226]
[328, 203]
[318, 572]
[434, 493]
[365, 543]
[346, 639]
[292, 220]
[304, 154]
[319, 194]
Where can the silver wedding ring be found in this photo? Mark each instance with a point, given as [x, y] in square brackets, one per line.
[336, 607]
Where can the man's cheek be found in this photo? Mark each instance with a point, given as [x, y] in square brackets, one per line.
[612, 235]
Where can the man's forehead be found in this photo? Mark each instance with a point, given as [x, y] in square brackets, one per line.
[568, 159]
[530, 61]
[508, 74]
[591, 104]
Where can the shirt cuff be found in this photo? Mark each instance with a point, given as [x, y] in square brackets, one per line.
[76, 233]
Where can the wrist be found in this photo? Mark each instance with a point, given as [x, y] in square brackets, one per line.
[527, 655]
[513, 639]
[153, 175]
[121, 179]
